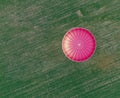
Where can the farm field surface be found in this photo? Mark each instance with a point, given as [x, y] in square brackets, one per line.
[32, 63]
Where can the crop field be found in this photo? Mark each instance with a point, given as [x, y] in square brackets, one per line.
[32, 63]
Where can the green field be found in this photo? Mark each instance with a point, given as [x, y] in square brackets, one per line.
[32, 63]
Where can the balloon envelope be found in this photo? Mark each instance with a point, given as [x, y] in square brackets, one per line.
[78, 44]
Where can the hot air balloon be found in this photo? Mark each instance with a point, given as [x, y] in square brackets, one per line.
[78, 44]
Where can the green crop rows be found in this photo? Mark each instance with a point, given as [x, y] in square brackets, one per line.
[32, 63]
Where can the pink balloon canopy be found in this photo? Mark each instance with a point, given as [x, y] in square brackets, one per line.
[79, 44]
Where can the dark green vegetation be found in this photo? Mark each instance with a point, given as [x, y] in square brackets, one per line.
[32, 64]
